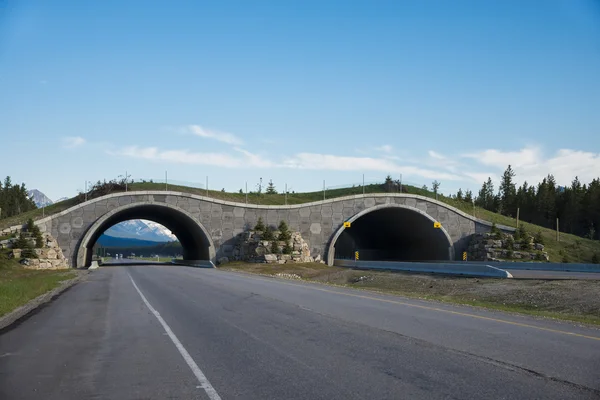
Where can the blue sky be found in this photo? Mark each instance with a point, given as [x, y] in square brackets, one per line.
[298, 91]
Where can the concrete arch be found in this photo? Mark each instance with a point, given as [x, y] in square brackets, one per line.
[179, 221]
[338, 233]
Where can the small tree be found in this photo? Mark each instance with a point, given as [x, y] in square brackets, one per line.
[509, 243]
[274, 247]
[271, 188]
[565, 259]
[496, 231]
[459, 194]
[260, 226]
[287, 249]
[435, 185]
[539, 238]
[30, 225]
[468, 197]
[21, 242]
[241, 191]
[268, 234]
[284, 231]
[39, 239]
[595, 259]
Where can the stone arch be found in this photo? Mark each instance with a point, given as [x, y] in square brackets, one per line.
[194, 237]
[338, 233]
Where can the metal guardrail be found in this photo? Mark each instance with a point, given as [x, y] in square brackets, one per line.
[547, 266]
[477, 270]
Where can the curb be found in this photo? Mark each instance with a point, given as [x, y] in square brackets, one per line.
[20, 313]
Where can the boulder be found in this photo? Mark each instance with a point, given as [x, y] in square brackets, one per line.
[317, 258]
[223, 260]
[539, 246]
[16, 253]
[270, 257]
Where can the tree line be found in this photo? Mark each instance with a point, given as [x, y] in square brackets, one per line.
[14, 199]
[577, 206]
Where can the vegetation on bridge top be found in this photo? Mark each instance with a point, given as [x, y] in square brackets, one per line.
[570, 248]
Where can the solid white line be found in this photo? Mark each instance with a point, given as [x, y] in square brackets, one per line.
[205, 384]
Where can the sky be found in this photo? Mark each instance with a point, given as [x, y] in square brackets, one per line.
[299, 92]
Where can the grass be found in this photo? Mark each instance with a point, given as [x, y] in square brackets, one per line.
[569, 300]
[574, 248]
[19, 285]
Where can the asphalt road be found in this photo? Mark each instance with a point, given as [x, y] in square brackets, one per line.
[536, 274]
[172, 332]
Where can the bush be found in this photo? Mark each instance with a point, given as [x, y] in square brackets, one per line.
[30, 225]
[540, 257]
[565, 259]
[521, 233]
[287, 249]
[525, 244]
[28, 253]
[284, 231]
[595, 259]
[509, 243]
[509, 254]
[539, 238]
[260, 226]
[274, 247]
[496, 231]
[22, 242]
[268, 234]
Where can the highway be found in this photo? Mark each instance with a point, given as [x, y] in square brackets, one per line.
[171, 332]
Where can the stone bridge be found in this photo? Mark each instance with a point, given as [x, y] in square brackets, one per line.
[383, 226]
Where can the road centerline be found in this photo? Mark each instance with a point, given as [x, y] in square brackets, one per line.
[204, 382]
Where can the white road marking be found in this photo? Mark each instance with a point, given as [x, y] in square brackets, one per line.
[204, 383]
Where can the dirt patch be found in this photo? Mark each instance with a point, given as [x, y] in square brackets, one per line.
[576, 300]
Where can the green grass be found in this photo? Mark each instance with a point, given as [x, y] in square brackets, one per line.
[566, 300]
[576, 249]
[19, 285]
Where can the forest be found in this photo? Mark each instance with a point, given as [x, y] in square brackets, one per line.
[14, 199]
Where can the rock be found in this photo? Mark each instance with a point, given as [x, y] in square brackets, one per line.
[317, 258]
[24, 261]
[223, 260]
[16, 253]
[280, 261]
[497, 243]
[517, 255]
[286, 257]
[260, 251]
[517, 246]
[539, 246]
[270, 257]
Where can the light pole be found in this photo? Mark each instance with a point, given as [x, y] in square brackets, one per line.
[126, 179]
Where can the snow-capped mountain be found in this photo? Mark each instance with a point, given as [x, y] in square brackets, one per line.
[141, 229]
[39, 198]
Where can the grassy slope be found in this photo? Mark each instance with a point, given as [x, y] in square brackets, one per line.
[19, 285]
[575, 248]
[570, 300]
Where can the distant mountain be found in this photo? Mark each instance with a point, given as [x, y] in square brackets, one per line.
[111, 241]
[142, 230]
[39, 198]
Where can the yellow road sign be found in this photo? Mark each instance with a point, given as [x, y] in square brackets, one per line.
[346, 224]
[437, 225]
[464, 256]
[356, 255]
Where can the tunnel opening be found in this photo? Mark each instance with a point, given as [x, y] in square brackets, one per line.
[194, 240]
[393, 234]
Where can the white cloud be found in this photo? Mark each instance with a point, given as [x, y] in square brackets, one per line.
[212, 134]
[195, 158]
[386, 148]
[530, 165]
[72, 142]
[435, 155]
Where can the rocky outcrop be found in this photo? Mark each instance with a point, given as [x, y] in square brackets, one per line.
[251, 247]
[502, 247]
[50, 256]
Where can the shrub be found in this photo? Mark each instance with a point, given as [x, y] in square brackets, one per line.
[509, 243]
[28, 253]
[287, 249]
[284, 231]
[525, 244]
[539, 238]
[22, 242]
[521, 233]
[260, 226]
[496, 231]
[595, 259]
[539, 257]
[30, 225]
[274, 247]
[268, 234]
[565, 259]
[509, 254]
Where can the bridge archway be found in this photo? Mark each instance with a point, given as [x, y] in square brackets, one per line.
[391, 232]
[195, 240]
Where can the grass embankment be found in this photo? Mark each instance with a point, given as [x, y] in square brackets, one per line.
[571, 247]
[19, 285]
[572, 300]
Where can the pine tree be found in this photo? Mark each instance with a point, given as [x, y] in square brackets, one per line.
[260, 226]
[388, 186]
[274, 247]
[468, 197]
[284, 232]
[268, 234]
[271, 188]
[538, 238]
[508, 193]
[459, 194]
[287, 248]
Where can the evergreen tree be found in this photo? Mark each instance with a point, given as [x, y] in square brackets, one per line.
[284, 232]
[268, 234]
[274, 247]
[459, 195]
[260, 226]
[508, 193]
[287, 248]
[468, 197]
[389, 185]
[271, 188]
[435, 185]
